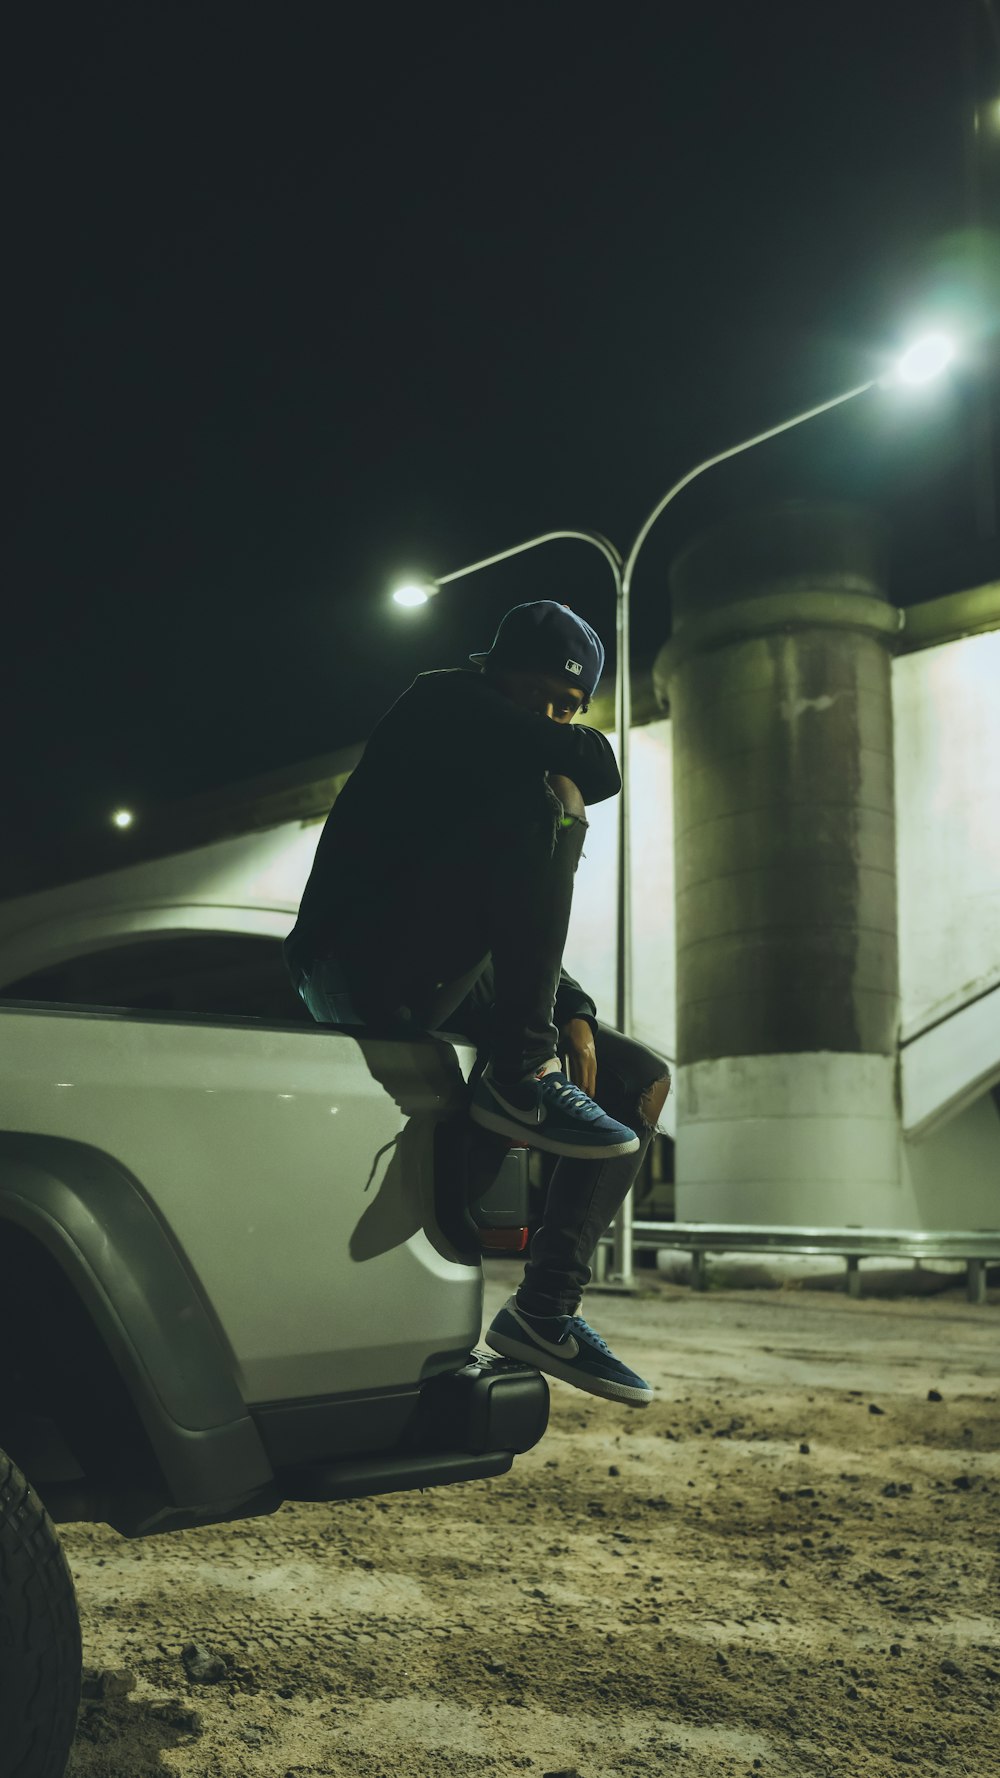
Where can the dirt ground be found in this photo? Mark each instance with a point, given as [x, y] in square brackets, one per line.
[787, 1564]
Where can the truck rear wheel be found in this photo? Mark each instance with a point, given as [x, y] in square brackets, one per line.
[39, 1636]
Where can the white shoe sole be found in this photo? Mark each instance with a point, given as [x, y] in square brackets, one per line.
[534, 1136]
[623, 1392]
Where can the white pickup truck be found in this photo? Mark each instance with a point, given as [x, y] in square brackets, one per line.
[240, 1263]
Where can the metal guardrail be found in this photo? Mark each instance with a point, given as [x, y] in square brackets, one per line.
[974, 1247]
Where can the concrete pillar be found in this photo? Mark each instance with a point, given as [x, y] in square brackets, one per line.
[778, 680]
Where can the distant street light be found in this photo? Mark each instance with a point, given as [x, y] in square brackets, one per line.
[123, 817]
[925, 359]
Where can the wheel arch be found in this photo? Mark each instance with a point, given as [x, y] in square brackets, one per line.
[89, 1217]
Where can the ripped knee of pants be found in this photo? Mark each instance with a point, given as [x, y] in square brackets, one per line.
[569, 813]
[652, 1101]
[569, 796]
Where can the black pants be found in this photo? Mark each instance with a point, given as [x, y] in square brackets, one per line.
[583, 1197]
[469, 939]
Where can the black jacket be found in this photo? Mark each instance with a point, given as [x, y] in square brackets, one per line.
[448, 734]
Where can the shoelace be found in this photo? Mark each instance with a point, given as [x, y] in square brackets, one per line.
[577, 1098]
[583, 1327]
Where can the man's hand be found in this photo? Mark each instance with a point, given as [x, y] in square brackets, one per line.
[578, 1042]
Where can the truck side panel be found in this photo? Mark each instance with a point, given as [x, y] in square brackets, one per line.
[292, 1169]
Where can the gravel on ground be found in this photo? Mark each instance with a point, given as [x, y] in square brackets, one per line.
[786, 1565]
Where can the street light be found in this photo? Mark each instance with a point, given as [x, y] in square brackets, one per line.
[414, 593]
[925, 359]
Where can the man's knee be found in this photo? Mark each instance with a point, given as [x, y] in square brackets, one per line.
[568, 795]
[653, 1099]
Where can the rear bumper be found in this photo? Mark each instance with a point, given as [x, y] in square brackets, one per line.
[465, 1425]
[391, 1475]
[470, 1423]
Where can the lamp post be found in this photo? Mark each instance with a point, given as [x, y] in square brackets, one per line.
[923, 360]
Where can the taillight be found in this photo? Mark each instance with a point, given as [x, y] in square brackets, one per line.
[499, 1205]
[503, 1240]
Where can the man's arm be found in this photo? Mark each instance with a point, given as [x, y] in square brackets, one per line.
[503, 735]
[575, 1015]
[573, 1002]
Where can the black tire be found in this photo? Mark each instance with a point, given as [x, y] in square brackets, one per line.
[39, 1636]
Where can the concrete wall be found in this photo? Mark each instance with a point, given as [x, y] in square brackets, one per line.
[946, 712]
[951, 1177]
[946, 708]
[590, 947]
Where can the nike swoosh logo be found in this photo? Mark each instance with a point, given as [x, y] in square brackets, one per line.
[532, 1118]
[558, 1348]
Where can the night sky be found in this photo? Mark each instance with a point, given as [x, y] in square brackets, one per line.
[309, 296]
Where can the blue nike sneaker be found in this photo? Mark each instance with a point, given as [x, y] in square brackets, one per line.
[565, 1346]
[547, 1111]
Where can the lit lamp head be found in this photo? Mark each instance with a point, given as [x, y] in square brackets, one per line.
[415, 592]
[123, 818]
[925, 359]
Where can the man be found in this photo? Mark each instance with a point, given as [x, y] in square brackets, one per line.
[440, 896]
